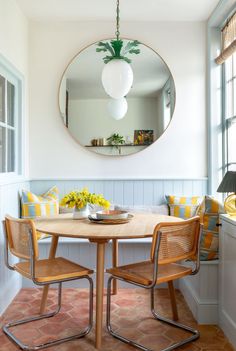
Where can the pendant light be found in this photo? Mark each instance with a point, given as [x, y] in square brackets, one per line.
[117, 78]
[117, 74]
[117, 108]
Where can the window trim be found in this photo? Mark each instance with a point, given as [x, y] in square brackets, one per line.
[226, 121]
[13, 75]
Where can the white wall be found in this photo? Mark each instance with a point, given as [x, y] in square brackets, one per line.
[14, 35]
[14, 49]
[179, 153]
[89, 119]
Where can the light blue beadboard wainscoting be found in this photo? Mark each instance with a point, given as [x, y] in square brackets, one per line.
[127, 191]
[10, 282]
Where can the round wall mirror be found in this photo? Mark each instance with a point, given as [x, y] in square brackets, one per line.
[110, 126]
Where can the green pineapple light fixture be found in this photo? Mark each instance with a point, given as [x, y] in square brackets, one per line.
[117, 74]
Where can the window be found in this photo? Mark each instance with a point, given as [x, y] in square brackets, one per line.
[227, 57]
[229, 112]
[167, 108]
[168, 96]
[221, 37]
[10, 121]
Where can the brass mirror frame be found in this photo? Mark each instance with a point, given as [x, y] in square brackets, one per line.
[70, 62]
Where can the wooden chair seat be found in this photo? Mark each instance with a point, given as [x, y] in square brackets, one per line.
[142, 272]
[49, 270]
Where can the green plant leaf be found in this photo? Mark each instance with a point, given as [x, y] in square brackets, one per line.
[101, 49]
[130, 46]
[115, 49]
[117, 46]
[134, 51]
[107, 59]
[107, 46]
[127, 59]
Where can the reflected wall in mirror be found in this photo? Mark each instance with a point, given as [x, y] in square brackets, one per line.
[86, 108]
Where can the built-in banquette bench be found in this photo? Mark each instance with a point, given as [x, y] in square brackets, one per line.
[200, 291]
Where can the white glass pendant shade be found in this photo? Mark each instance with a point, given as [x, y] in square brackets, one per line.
[117, 78]
[117, 108]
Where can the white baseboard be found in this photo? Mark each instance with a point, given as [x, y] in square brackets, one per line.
[205, 311]
[228, 326]
[7, 293]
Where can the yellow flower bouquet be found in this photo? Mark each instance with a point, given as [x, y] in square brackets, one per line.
[79, 200]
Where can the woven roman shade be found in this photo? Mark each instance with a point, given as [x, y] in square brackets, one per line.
[228, 40]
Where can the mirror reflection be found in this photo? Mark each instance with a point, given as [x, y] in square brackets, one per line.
[116, 126]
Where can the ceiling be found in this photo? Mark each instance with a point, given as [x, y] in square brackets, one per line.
[130, 10]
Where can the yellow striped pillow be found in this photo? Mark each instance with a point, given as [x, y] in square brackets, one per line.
[209, 246]
[33, 206]
[183, 206]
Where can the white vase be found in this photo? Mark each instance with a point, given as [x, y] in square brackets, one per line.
[80, 213]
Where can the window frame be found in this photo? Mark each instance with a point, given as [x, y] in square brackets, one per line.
[227, 120]
[12, 75]
[215, 96]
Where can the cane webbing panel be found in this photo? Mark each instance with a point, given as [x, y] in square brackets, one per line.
[178, 240]
[18, 234]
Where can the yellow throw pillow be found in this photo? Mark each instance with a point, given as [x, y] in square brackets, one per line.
[33, 206]
[183, 206]
[209, 214]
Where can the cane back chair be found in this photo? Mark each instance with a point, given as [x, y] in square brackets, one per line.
[21, 241]
[172, 243]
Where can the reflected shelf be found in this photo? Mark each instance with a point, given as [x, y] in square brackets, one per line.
[118, 145]
[112, 150]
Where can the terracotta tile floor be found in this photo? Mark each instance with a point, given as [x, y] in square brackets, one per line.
[130, 314]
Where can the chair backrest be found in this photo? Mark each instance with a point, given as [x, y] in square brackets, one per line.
[18, 232]
[179, 240]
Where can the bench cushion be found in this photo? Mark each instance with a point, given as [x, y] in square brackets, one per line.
[159, 209]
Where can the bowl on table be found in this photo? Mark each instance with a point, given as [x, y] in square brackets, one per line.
[112, 214]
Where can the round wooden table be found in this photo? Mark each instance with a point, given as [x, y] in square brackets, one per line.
[141, 226]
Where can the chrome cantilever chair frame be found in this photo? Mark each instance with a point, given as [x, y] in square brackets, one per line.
[11, 324]
[195, 333]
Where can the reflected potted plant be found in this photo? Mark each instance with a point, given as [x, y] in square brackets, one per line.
[81, 201]
[116, 140]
